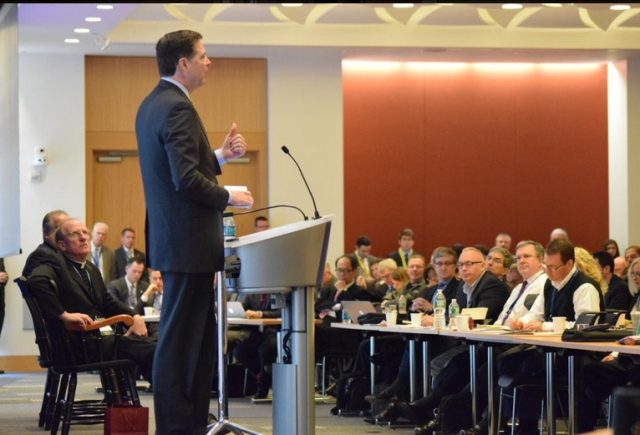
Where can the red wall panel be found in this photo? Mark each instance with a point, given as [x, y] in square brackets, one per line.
[462, 154]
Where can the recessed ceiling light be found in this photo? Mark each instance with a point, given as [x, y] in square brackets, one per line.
[512, 6]
[552, 5]
[403, 5]
[291, 5]
[93, 19]
[81, 30]
[104, 7]
[72, 41]
[619, 7]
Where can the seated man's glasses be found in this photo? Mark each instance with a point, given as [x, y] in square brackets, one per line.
[495, 260]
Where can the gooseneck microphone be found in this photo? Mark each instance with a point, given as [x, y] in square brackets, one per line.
[316, 215]
[231, 213]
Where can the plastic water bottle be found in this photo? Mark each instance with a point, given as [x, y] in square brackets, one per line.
[402, 305]
[454, 310]
[346, 317]
[439, 310]
[229, 226]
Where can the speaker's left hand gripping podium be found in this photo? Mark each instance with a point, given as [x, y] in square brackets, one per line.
[287, 260]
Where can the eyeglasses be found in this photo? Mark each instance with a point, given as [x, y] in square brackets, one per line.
[554, 267]
[469, 263]
[495, 260]
[443, 263]
[339, 270]
[635, 274]
[523, 257]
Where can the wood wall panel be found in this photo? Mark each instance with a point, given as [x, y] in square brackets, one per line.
[474, 153]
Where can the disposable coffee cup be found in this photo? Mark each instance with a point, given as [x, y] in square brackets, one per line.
[149, 311]
[416, 319]
[391, 317]
[462, 322]
[559, 324]
[635, 322]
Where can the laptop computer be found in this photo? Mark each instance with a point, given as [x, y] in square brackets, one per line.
[357, 308]
[235, 310]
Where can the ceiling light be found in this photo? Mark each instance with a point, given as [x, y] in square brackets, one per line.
[104, 7]
[72, 41]
[81, 30]
[552, 5]
[93, 19]
[291, 5]
[619, 7]
[403, 5]
[512, 6]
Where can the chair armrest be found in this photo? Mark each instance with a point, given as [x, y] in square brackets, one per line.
[120, 318]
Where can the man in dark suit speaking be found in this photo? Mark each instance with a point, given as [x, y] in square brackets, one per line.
[185, 238]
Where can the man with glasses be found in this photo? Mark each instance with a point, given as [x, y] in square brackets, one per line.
[344, 289]
[479, 288]
[568, 293]
[498, 261]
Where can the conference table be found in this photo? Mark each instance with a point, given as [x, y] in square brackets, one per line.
[550, 342]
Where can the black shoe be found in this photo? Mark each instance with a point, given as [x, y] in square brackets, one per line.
[429, 428]
[389, 415]
[383, 396]
[413, 413]
[211, 419]
[475, 430]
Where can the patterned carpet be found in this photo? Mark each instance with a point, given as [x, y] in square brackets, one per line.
[21, 396]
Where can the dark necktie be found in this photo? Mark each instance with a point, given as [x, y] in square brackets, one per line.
[86, 280]
[133, 299]
[522, 289]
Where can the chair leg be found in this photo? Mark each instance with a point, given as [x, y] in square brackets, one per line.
[500, 408]
[324, 378]
[68, 406]
[609, 410]
[59, 405]
[513, 410]
[51, 399]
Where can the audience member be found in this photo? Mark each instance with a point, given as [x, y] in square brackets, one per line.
[155, 278]
[611, 246]
[399, 281]
[417, 284]
[101, 255]
[81, 297]
[499, 261]
[587, 264]
[503, 240]
[328, 278]
[444, 260]
[47, 252]
[631, 253]
[618, 295]
[430, 275]
[261, 223]
[559, 233]
[131, 289]
[382, 284]
[513, 276]
[620, 267]
[406, 239]
[344, 289]
[126, 251]
[634, 284]
[364, 258]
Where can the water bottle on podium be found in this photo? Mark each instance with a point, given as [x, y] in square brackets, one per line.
[229, 227]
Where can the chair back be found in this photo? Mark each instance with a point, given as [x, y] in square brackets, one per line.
[39, 327]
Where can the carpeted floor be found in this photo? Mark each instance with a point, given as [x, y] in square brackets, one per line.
[21, 396]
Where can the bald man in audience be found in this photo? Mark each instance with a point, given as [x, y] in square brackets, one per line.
[101, 255]
[620, 267]
[559, 233]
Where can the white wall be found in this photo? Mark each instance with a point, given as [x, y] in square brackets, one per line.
[51, 112]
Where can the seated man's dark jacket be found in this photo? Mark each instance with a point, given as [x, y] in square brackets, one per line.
[450, 292]
[119, 290]
[327, 295]
[45, 253]
[618, 296]
[72, 295]
[490, 292]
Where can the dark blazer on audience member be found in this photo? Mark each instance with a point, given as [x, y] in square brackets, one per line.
[45, 253]
[395, 256]
[327, 295]
[618, 296]
[450, 291]
[119, 290]
[490, 292]
[121, 261]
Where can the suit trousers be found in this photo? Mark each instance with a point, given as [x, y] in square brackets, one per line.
[184, 361]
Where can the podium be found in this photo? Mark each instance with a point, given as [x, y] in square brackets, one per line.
[286, 260]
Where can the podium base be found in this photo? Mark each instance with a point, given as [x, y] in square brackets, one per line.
[225, 426]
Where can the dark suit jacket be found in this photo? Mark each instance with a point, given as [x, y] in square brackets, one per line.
[120, 291]
[45, 253]
[490, 292]
[618, 296]
[396, 257]
[121, 261]
[184, 200]
[450, 291]
[327, 295]
[72, 295]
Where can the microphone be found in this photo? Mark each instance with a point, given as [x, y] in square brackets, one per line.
[230, 213]
[316, 215]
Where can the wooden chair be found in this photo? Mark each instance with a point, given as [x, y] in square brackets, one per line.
[59, 355]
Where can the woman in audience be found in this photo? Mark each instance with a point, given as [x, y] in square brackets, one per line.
[399, 280]
[611, 246]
